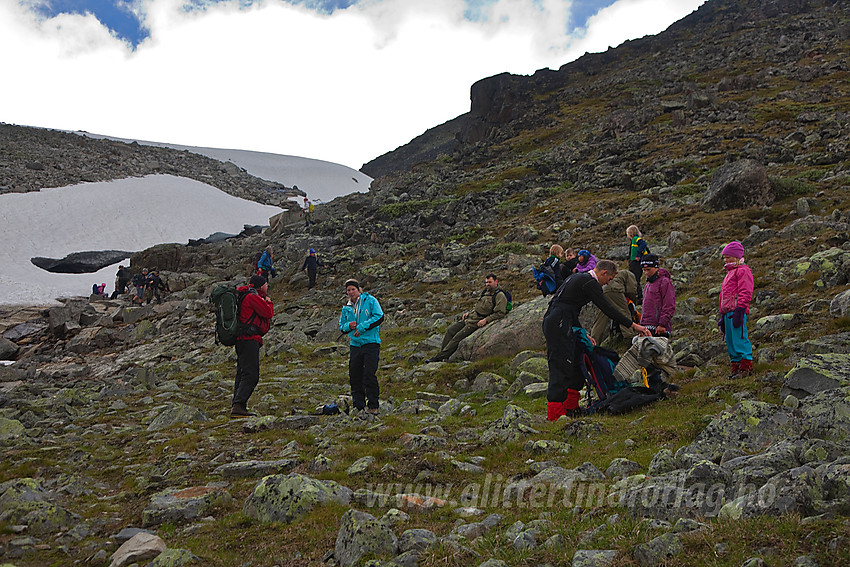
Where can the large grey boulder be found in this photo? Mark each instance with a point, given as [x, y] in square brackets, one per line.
[180, 505]
[738, 185]
[24, 502]
[288, 498]
[361, 534]
[137, 549]
[176, 413]
[816, 373]
[520, 330]
[840, 304]
[749, 426]
[8, 349]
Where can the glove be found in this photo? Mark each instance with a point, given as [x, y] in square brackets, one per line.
[738, 317]
[720, 324]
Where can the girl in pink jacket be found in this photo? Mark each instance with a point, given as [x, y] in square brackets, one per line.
[735, 295]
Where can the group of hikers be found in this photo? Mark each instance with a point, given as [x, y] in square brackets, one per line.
[147, 285]
[625, 308]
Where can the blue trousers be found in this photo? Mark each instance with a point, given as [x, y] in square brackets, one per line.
[737, 340]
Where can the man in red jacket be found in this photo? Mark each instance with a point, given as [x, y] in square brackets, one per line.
[255, 314]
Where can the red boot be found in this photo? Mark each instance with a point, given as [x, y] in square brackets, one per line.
[568, 407]
[735, 370]
[745, 368]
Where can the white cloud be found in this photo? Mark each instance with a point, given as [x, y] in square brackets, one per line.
[281, 78]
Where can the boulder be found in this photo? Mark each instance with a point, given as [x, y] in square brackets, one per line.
[11, 429]
[248, 469]
[816, 373]
[738, 185]
[594, 558]
[512, 426]
[362, 535]
[489, 383]
[659, 550]
[179, 505]
[840, 304]
[81, 262]
[8, 349]
[174, 558]
[749, 426]
[137, 549]
[288, 498]
[174, 413]
[24, 502]
[519, 331]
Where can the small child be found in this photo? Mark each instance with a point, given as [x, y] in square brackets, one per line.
[735, 295]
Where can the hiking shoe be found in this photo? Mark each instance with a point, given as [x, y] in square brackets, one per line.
[434, 359]
[734, 370]
[240, 411]
[745, 368]
[373, 411]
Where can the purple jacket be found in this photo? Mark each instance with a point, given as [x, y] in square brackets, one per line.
[659, 301]
[587, 266]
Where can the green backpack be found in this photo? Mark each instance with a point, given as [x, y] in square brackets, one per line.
[227, 301]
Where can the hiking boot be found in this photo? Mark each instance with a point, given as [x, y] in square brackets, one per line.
[373, 411]
[434, 359]
[240, 411]
[745, 368]
[735, 370]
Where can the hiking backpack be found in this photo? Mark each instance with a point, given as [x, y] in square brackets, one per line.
[227, 302]
[507, 297]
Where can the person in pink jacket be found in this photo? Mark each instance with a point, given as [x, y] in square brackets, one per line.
[736, 292]
[659, 298]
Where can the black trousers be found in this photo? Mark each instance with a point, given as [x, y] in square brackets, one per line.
[312, 275]
[247, 370]
[634, 267]
[362, 375]
[561, 354]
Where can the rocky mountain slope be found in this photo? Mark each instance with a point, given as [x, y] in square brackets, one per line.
[733, 124]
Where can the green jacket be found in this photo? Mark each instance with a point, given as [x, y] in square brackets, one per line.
[486, 308]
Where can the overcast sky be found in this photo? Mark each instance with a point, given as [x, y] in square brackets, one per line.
[338, 80]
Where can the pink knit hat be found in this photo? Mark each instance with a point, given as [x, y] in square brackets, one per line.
[734, 249]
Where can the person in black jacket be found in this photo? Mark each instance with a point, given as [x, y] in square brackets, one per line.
[154, 285]
[565, 378]
[311, 264]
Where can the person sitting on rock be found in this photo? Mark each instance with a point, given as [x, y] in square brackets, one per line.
[586, 262]
[491, 306]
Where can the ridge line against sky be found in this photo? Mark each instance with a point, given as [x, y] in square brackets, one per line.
[338, 80]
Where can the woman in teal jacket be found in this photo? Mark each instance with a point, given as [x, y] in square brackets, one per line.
[360, 320]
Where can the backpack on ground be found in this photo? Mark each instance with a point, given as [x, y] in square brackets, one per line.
[597, 367]
[227, 302]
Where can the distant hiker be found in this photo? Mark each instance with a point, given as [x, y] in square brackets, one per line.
[255, 312]
[637, 250]
[360, 320]
[586, 262]
[122, 279]
[659, 298]
[560, 328]
[139, 284]
[264, 264]
[618, 291]
[307, 212]
[153, 286]
[736, 292]
[491, 306]
[311, 264]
